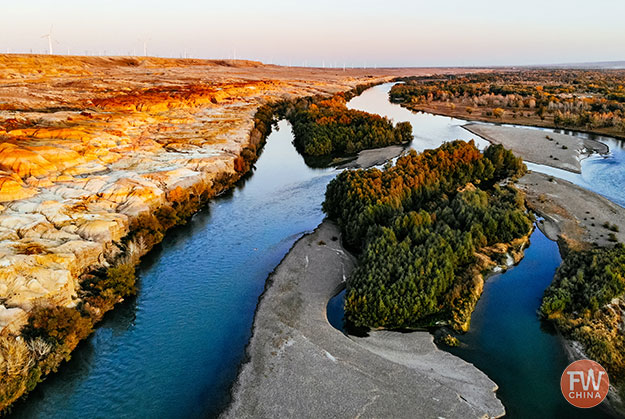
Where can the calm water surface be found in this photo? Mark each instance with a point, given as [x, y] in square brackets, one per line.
[174, 350]
[507, 340]
[602, 174]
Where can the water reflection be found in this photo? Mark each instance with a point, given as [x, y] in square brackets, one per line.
[507, 339]
[175, 349]
[601, 174]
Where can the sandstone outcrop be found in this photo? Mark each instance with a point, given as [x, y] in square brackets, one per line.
[89, 144]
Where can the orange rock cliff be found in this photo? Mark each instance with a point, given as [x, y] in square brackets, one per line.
[87, 144]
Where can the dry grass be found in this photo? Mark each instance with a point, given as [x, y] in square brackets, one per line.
[16, 359]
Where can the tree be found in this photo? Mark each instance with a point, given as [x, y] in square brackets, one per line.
[417, 225]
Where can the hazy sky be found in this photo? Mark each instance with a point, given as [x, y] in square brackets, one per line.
[354, 32]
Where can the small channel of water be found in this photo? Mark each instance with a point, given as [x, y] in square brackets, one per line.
[604, 175]
[507, 340]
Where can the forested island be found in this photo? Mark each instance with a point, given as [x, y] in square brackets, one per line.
[424, 230]
[585, 100]
[585, 300]
[325, 127]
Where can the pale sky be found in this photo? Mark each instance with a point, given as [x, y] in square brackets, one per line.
[334, 32]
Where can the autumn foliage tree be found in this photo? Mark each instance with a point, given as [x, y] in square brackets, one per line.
[416, 226]
[588, 99]
[323, 127]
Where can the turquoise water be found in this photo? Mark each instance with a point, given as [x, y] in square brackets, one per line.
[174, 350]
[508, 342]
[335, 310]
[506, 339]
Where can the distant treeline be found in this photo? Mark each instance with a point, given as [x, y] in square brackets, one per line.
[581, 99]
[326, 127]
[579, 302]
[417, 226]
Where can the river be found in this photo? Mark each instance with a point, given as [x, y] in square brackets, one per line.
[174, 350]
[506, 339]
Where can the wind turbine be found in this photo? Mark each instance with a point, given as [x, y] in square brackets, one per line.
[145, 46]
[50, 39]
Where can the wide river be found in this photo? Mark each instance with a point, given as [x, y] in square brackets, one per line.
[174, 350]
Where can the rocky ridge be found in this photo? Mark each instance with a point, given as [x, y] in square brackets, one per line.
[89, 145]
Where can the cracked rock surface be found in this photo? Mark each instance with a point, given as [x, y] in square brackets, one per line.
[89, 144]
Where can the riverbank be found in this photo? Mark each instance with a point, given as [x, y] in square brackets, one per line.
[294, 351]
[528, 119]
[490, 347]
[101, 155]
[90, 145]
[374, 157]
[551, 149]
[573, 216]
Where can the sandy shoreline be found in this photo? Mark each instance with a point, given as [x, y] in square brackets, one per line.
[573, 216]
[92, 145]
[94, 149]
[299, 365]
[294, 351]
[374, 157]
[460, 113]
[561, 151]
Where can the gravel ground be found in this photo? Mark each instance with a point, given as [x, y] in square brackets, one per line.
[533, 145]
[374, 157]
[571, 213]
[300, 366]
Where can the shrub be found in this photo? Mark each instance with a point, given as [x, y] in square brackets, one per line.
[450, 340]
[59, 326]
[16, 362]
[166, 217]
[15, 357]
[148, 227]
[119, 280]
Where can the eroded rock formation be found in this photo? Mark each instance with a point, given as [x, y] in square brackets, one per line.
[87, 145]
